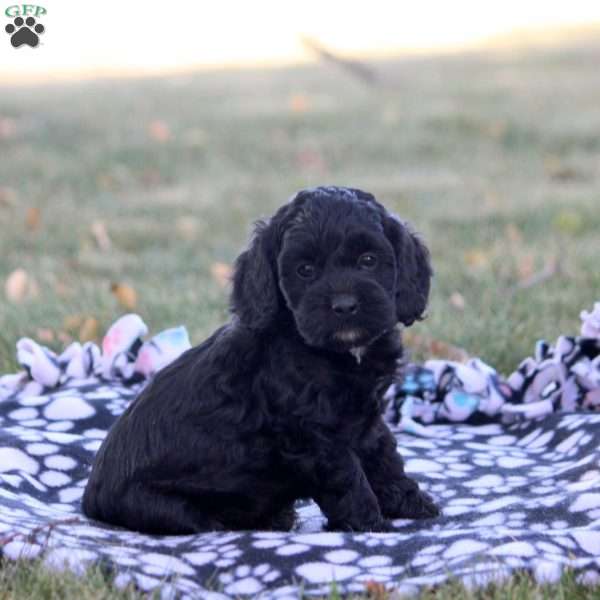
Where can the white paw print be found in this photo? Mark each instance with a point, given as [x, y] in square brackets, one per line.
[245, 579]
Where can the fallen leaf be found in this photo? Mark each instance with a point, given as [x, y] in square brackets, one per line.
[476, 258]
[556, 169]
[125, 295]
[64, 338]
[187, 227]
[513, 233]
[526, 266]
[311, 160]
[62, 289]
[88, 331]
[7, 196]
[221, 273]
[376, 590]
[19, 286]
[442, 349]
[73, 322]
[158, 130]
[45, 335]
[15, 286]
[33, 218]
[553, 267]
[457, 300]
[8, 128]
[100, 235]
[432, 348]
[299, 103]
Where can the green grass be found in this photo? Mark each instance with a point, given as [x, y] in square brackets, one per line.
[494, 157]
[32, 581]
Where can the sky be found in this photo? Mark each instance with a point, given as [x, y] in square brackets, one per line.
[94, 37]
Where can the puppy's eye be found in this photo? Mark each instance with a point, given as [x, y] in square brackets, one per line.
[367, 261]
[306, 270]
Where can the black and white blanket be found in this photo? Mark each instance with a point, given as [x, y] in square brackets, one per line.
[516, 493]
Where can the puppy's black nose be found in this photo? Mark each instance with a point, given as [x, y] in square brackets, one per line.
[344, 304]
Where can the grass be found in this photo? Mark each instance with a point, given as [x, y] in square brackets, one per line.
[494, 156]
[32, 581]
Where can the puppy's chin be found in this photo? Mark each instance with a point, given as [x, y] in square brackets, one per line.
[343, 339]
[349, 339]
[352, 336]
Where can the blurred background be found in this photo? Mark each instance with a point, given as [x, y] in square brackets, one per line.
[138, 143]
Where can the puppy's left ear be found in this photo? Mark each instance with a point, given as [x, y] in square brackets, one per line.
[413, 275]
[256, 298]
[255, 295]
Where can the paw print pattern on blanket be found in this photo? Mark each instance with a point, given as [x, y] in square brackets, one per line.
[524, 495]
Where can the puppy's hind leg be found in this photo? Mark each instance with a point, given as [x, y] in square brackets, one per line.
[149, 510]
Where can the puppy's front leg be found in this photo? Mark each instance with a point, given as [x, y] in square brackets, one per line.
[342, 491]
[399, 496]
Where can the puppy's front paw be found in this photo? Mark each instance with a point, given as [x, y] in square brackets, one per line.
[414, 504]
[383, 526]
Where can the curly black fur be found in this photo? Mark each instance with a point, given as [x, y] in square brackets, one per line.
[283, 402]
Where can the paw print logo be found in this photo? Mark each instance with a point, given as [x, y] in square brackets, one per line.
[24, 32]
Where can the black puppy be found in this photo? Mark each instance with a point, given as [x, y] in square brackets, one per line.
[284, 402]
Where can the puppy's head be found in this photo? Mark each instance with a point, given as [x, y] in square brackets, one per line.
[345, 268]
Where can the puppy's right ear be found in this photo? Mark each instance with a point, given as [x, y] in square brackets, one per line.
[255, 298]
[413, 278]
